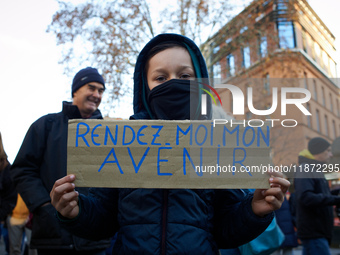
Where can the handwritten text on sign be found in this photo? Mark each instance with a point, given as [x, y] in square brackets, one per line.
[167, 154]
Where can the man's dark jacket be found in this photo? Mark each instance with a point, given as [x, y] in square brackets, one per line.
[41, 160]
[314, 201]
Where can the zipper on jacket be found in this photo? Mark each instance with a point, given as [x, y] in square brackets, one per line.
[164, 220]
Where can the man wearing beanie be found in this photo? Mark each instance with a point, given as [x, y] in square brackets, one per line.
[42, 160]
[314, 201]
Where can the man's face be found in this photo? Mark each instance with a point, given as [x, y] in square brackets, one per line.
[324, 156]
[88, 98]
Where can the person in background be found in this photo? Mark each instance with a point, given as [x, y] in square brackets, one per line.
[42, 160]
[17, 230]
[285, 221]
[314, 201]
[8, 195]
[168, 221]
[304, 154]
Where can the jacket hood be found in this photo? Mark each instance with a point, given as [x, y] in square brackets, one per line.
[140, 106]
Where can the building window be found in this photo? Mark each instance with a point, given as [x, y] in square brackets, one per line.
[325, 60]
[246, 57]
[332, 68]
[337, 106]
[230, 65]
[262, 44]
[309, 122]
[331, 101]
[266, 84]
[267, 107]
[321, 59]
[282, 6]
[334, 129]
[217, 70]
[315, 91]
[286, 34]
[313, 50]
[317, 51]
[326, 125]
[305, 80]
[323, 97]
[304, 40]
[318, 121]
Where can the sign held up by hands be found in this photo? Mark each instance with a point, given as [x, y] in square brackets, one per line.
[167, 154]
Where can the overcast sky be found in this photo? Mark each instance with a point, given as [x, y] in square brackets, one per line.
[32, 81]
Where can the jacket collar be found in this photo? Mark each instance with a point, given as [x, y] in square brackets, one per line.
[304, 160]
[72, 112]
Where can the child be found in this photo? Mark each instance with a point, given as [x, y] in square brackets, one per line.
[163, 221]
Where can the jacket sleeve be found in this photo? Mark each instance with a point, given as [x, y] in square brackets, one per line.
[235, 223]
[9, 197]
[97, 218]
[307, 195]
[25, 171]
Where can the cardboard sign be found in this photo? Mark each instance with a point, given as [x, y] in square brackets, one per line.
[167, 154]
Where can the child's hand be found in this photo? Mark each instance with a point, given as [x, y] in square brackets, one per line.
[267, 200]
[64, 198]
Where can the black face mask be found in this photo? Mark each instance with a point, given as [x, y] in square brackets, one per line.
[174, 100]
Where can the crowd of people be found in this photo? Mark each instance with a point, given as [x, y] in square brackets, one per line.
[39, 199]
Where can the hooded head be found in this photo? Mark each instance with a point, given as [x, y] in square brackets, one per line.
[170, 98]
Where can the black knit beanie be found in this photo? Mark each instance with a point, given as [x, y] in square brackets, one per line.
[318, 145]
[85, 76]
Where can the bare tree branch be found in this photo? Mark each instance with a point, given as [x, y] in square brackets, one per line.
[109, 34]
